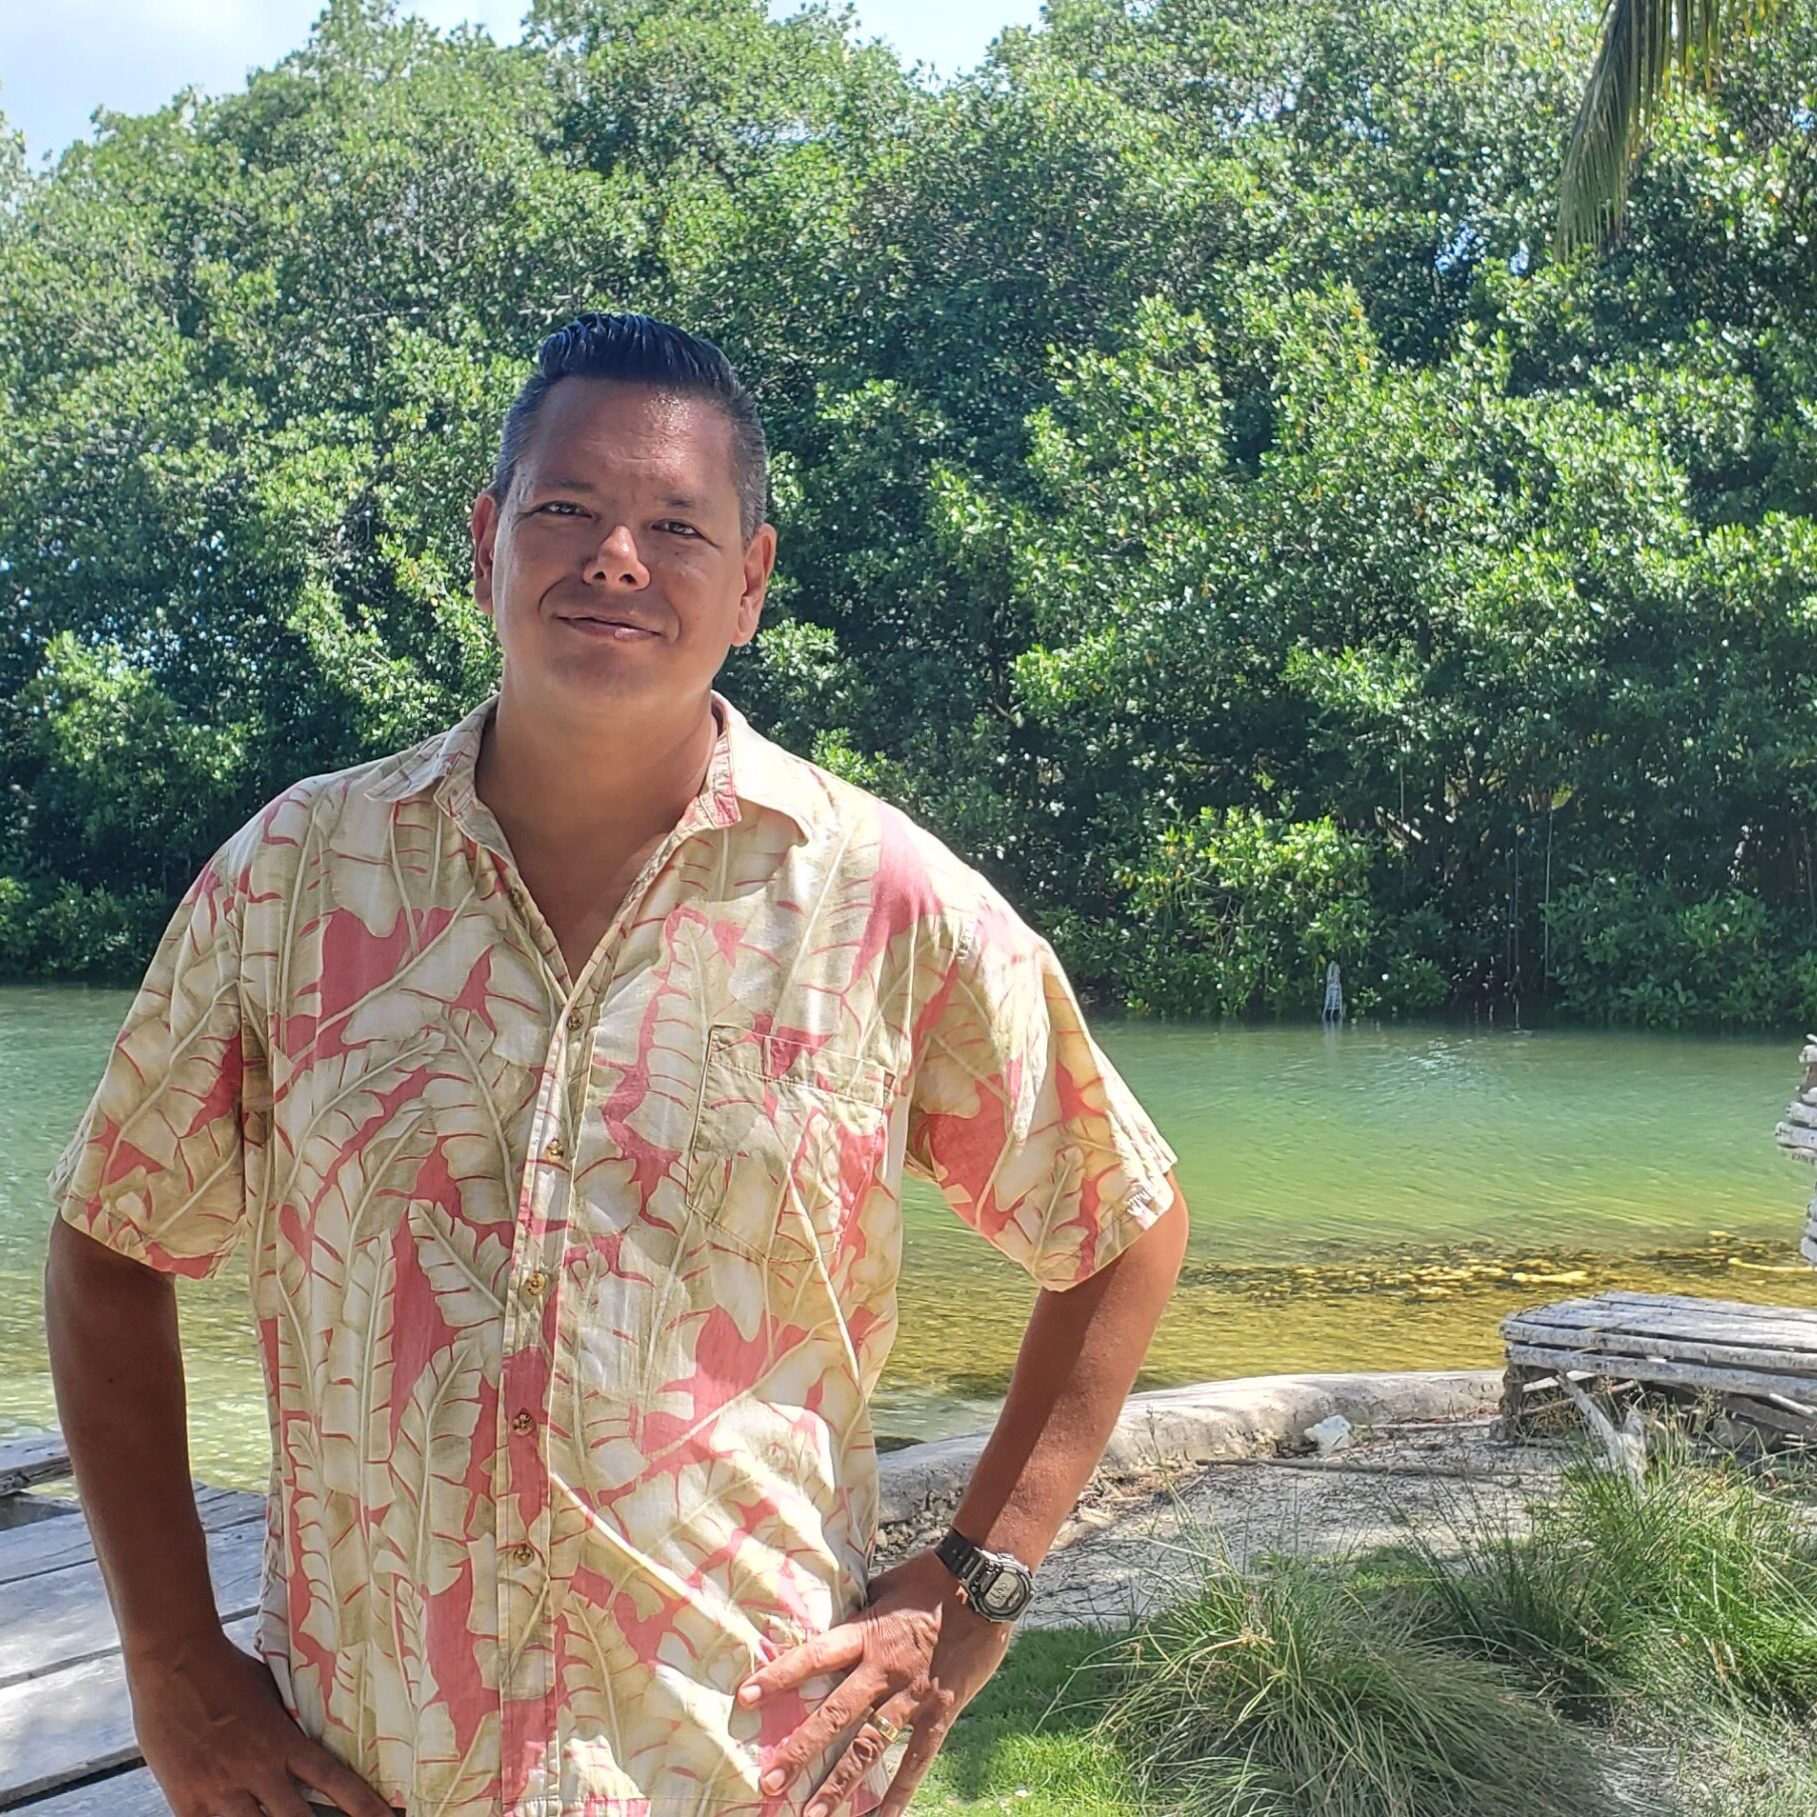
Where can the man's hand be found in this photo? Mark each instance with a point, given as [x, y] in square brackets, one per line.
[914, 1655]
[220, 1743]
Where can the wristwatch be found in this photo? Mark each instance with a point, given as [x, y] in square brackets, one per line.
[997, 1584]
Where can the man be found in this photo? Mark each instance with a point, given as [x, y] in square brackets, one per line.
[561, 1072]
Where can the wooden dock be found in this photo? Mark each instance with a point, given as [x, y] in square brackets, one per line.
[66, 1736]
[1757, 1363]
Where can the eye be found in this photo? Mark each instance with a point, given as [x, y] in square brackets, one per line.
[675, 524]
[557, 504]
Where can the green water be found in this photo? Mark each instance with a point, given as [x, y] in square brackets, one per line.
[1366, 1198]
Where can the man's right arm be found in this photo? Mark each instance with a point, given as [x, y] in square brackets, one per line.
[207, 1714]
[117, 1370]
[153, 1184]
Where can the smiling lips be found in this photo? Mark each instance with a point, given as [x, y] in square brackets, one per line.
[623, 630]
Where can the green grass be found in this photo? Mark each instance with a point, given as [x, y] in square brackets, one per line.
[1651, 1652]
[1025, 1744]
[1699, 1589]
[1746, 1769]
[1295, 1688]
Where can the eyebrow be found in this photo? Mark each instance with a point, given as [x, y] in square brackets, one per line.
[562, 482]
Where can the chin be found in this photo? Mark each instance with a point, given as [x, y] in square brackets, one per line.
[605, 674]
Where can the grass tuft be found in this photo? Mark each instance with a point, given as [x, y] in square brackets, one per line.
[1697, 1589]
[1290, 1688]
[1637, 1651]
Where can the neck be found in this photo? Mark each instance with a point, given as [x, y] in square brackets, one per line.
[606, 773]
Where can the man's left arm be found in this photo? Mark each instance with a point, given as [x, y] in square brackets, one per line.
[917, 1654]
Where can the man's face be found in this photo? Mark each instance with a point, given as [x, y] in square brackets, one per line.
[615, 569]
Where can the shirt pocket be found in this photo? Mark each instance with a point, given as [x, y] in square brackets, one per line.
[787, 1137]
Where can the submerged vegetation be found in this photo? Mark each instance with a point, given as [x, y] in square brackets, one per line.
[1203, 497]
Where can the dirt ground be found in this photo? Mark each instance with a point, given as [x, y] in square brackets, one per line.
[1110, 1561]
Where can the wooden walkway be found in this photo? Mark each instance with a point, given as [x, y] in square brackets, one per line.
[66, 1738]
[1758, 1362]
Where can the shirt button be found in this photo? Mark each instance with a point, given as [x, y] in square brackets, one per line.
[554, 1151]
[534, 1282]
[576, 1022]
[523, 1423]
[524, 1555]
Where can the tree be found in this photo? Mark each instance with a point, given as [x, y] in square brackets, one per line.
[1647, 46]
[1202, 498]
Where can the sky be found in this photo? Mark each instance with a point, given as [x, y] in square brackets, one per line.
[60, 59]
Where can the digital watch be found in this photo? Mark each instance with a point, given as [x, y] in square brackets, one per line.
[997, 1584]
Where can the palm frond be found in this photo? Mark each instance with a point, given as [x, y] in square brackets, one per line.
[1646, 48]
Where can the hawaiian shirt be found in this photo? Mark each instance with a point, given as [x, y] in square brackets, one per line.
[573, 1291]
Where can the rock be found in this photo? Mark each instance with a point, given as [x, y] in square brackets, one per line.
[1333, 1434]
[1168, 1429]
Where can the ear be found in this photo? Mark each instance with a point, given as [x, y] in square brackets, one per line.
[759, 564]
[484, 525]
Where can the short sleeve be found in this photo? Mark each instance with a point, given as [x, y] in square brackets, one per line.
[156, 1169]
[1018, 1117]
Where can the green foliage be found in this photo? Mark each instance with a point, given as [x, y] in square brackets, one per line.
[66, 931]
[1286, 1689]
[1026, 1744]
[1696, 1589]
[1241, 912]
[1647, 48]
[1650, 1648]
[1202, 499]
[1625, 950]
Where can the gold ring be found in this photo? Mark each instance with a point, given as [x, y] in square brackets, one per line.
[885, 1728]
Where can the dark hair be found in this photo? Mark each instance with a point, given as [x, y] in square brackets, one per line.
[639, 350]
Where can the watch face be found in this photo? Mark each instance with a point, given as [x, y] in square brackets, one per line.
[1004, 1595]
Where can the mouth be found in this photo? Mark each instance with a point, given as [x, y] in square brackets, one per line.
[604, 625]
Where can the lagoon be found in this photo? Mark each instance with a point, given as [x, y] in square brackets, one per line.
[1370, 1197]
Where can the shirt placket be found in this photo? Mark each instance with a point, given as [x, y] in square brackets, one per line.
[528, 1686]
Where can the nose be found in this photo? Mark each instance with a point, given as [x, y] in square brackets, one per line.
[616, 562]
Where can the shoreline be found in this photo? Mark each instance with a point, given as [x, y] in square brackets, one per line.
[1165, 1434]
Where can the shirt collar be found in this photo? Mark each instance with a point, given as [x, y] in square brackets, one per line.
[744, 767]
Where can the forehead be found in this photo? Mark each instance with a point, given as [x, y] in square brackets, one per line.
[605, 432]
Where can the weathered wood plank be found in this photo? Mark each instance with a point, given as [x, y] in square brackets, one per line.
[1764, 1413]
[1760, 1329]
[133, 1793]
[59, 1618]
[1646, 1369]
[1788, 1334]
[52, 1545]
[27, 1509]
[1797, 1371]
[41, 1458]
[1752, 1309]
[1766, 1340]
[1767, 1355]
[65, 1726]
